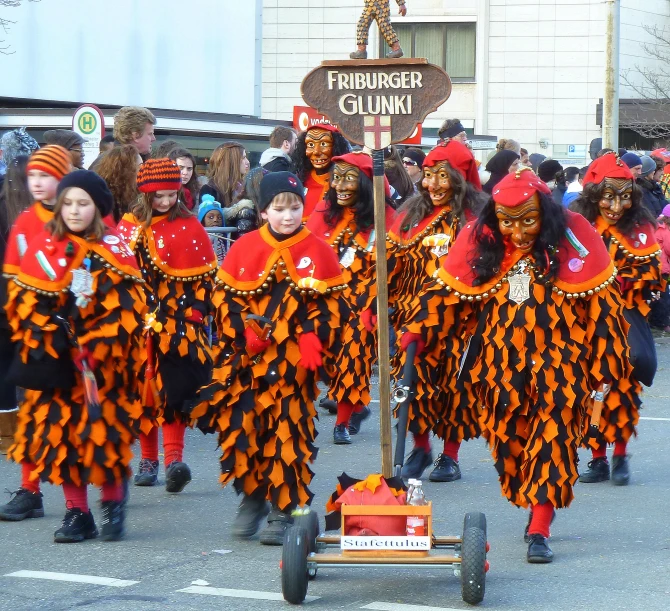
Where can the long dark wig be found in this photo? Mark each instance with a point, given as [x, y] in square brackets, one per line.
[489, 251]
[364, 208]
[302, 165]
[588, 205]
[464, 197]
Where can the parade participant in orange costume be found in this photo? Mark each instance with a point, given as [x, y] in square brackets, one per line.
[177, 262]
[312, 158]
[46, 169]
[345, 220]
[427, 225]
[278, 314]
[612, 202]
[531, 286]
[75, 308]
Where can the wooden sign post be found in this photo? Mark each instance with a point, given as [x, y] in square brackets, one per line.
[377, 103]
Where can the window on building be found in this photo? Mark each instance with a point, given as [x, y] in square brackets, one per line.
[448, 45]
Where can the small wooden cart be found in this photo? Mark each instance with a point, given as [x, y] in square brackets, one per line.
[306, 550]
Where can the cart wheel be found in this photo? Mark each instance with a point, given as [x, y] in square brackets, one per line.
[294, 565]
[473, 562]
[475, 519]
[309, 520]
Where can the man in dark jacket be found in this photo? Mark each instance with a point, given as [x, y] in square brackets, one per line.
[278, 157]
[652, 192]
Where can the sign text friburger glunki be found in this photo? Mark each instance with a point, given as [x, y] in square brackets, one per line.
[381, 97]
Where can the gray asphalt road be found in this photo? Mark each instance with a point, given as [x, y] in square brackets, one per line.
[612, 546]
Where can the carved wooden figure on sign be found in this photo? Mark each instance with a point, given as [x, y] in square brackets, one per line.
[379, 11]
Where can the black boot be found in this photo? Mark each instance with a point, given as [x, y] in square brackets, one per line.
[177, 475]
[251, 511]
[539, 551]
[278, 522]
[341, 435]
[357, 419]
[416, 462]
[328, 404]
[598, 471]
[76, 527]
[446, 470]
[113, 517]
[23, 504]
[620, 471]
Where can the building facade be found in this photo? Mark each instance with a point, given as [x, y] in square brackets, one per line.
[531, 70]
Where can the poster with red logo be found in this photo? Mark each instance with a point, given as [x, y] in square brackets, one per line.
[305, 117]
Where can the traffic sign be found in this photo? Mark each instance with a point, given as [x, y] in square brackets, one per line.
[89, 122]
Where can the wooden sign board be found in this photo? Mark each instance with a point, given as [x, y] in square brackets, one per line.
[376, 102]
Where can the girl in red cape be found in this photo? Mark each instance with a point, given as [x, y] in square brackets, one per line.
[419, 240]
[278, 310]
[345, 220]
[175, 255]
[75, 308]
[530, 285]
[612, 202]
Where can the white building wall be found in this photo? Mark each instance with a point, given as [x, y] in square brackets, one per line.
[637, 18]
[546, 63]
[299, 34]
[199, 55]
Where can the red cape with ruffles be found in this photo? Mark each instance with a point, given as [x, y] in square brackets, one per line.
[179, 248]
[253, 256]
[598, 267]
[28, 224]
[47, 253]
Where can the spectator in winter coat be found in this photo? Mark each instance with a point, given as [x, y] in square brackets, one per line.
[278, 157]
[659, 317]
[634, 162]
[652, 193]
[551, 172]
[574, 185]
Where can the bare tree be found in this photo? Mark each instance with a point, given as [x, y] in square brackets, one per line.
[6, 24]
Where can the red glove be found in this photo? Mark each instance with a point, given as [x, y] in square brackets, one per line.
[408, 338]
[310, 351]
[369, 319]
[84, 356]
[196, 316]
[255, 345]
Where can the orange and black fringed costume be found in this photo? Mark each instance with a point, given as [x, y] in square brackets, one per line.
[178, 265]
[636, 258]
[66, 438]
[261, 400]
[356, 249]
[438, 403]
[541, 347]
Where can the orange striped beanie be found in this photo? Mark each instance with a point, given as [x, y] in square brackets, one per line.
[158, 175]
[52, 159]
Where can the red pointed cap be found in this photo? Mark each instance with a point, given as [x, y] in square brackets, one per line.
[518, 187]
[363, 162]
[329, 127]
[607, 166]
[459, 157]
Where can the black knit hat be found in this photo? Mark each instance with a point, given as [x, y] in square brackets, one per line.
[548, 169]
[275, 183]
[94, 185]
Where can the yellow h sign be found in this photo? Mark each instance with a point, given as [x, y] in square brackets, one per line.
[87, 122]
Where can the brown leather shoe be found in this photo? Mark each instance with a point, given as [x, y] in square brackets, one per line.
[358, 54]
[395, 54]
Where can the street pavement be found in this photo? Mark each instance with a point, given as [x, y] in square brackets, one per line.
[612, 547]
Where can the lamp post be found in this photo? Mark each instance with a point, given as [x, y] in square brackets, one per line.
[611, 94]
